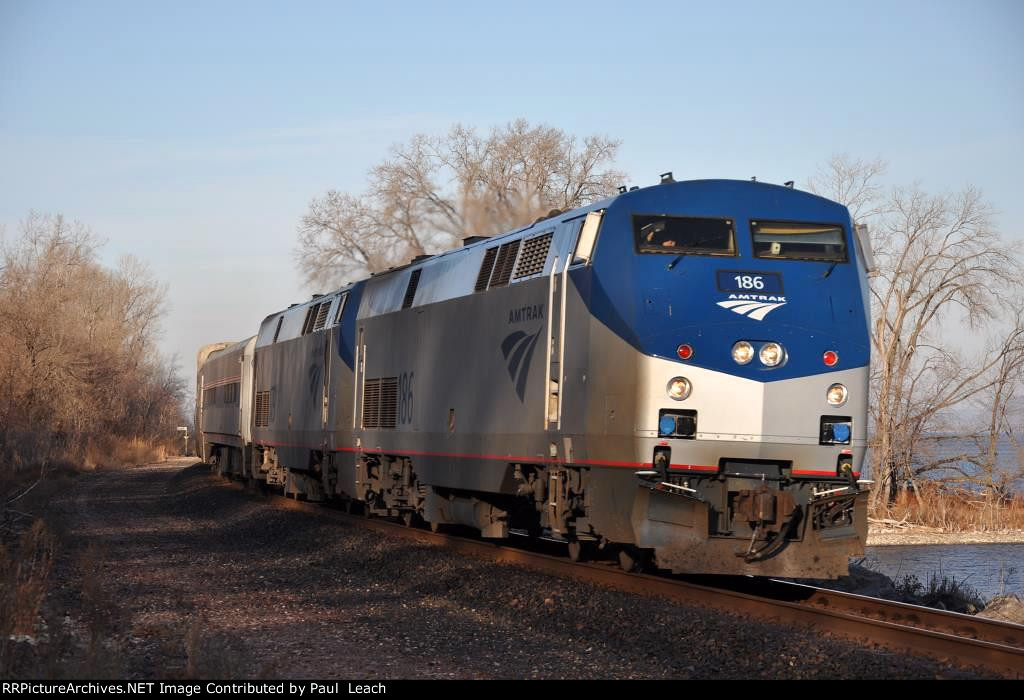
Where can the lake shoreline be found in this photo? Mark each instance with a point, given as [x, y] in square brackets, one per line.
[919, 535]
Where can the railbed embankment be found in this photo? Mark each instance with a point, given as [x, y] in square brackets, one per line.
[224, 582]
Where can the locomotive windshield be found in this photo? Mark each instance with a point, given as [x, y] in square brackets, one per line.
[790, 241]
[684, 236]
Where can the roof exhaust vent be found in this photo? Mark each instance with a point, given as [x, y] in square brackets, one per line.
[634, 188]
[622, 189]
[667, 179]
[789, 184]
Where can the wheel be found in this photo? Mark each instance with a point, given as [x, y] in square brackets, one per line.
[575, 550]
[435, 527]
[368, 502]
[626, 560]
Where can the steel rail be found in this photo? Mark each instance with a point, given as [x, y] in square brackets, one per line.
[954, 638]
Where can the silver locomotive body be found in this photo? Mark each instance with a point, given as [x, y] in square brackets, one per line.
[523, 383]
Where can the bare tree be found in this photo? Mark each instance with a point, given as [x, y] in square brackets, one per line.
[854, 183]
[945, 276]
[433, 191]
[77, 346]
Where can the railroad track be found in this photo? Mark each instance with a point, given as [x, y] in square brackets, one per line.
[955, 638]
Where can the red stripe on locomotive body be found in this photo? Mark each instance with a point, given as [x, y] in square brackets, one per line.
[819, 472]
[537, 460]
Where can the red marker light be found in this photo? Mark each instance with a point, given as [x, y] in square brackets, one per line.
[830, 358]
[684, 351]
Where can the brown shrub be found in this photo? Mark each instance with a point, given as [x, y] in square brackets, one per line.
[953, 509]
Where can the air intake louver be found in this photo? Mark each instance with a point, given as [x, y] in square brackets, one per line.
[371, 404]
[410, 291]
[503, 267]
[485, 269]
[535, 255]
[388, 403]
[380, 403]
[321, 315]
[262, 409]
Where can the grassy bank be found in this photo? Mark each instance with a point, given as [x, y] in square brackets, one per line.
[944, 509]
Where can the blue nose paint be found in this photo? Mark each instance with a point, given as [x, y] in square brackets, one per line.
[667, 425]
[841, 432]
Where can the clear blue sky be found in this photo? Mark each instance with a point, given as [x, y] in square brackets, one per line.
[194, 134]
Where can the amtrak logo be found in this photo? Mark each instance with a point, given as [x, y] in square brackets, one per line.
[755, 306]
[518, 349]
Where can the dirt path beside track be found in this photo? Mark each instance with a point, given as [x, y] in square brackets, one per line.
[219, 582]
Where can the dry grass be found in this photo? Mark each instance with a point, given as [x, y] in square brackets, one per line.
[59, 616]
[25, 565]
[953, 510]
[118, 453]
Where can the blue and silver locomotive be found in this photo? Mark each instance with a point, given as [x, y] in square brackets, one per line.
[677, 374]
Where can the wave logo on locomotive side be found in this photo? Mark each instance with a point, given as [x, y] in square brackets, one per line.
[755, 306]
[518, 349]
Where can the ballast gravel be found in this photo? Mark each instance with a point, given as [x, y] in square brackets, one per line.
[221, 582]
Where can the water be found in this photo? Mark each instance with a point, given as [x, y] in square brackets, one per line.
[934, 448]
[991, 569]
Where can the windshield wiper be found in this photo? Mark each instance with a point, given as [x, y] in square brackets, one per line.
[696, 245]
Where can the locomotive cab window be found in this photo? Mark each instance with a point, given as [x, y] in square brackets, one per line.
[678, 235]
[798, 241]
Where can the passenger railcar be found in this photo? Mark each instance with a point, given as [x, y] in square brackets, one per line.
[677, 373]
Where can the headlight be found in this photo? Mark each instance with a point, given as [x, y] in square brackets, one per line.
[772, 354]
[742, 352]
[678, 388]
[836, 395]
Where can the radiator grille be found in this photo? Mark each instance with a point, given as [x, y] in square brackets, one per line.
[262, 409]
[535, 254]
[321, 315]
[388, 403]
[485, 269]
[371, 404]
[503, 267]
[410, 291]
[380, 403]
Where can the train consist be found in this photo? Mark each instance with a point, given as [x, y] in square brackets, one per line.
[677, 375]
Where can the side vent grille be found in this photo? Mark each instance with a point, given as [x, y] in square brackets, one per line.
[321, 315]
[262, 409]
[371, 404]
[535, 254]
[388, 403]
[485, 269]
[307, 325]
[410, 291]
[380, 403]
[503, 267]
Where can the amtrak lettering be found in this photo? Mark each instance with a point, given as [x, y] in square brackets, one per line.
[526, 313]
[754, 306]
